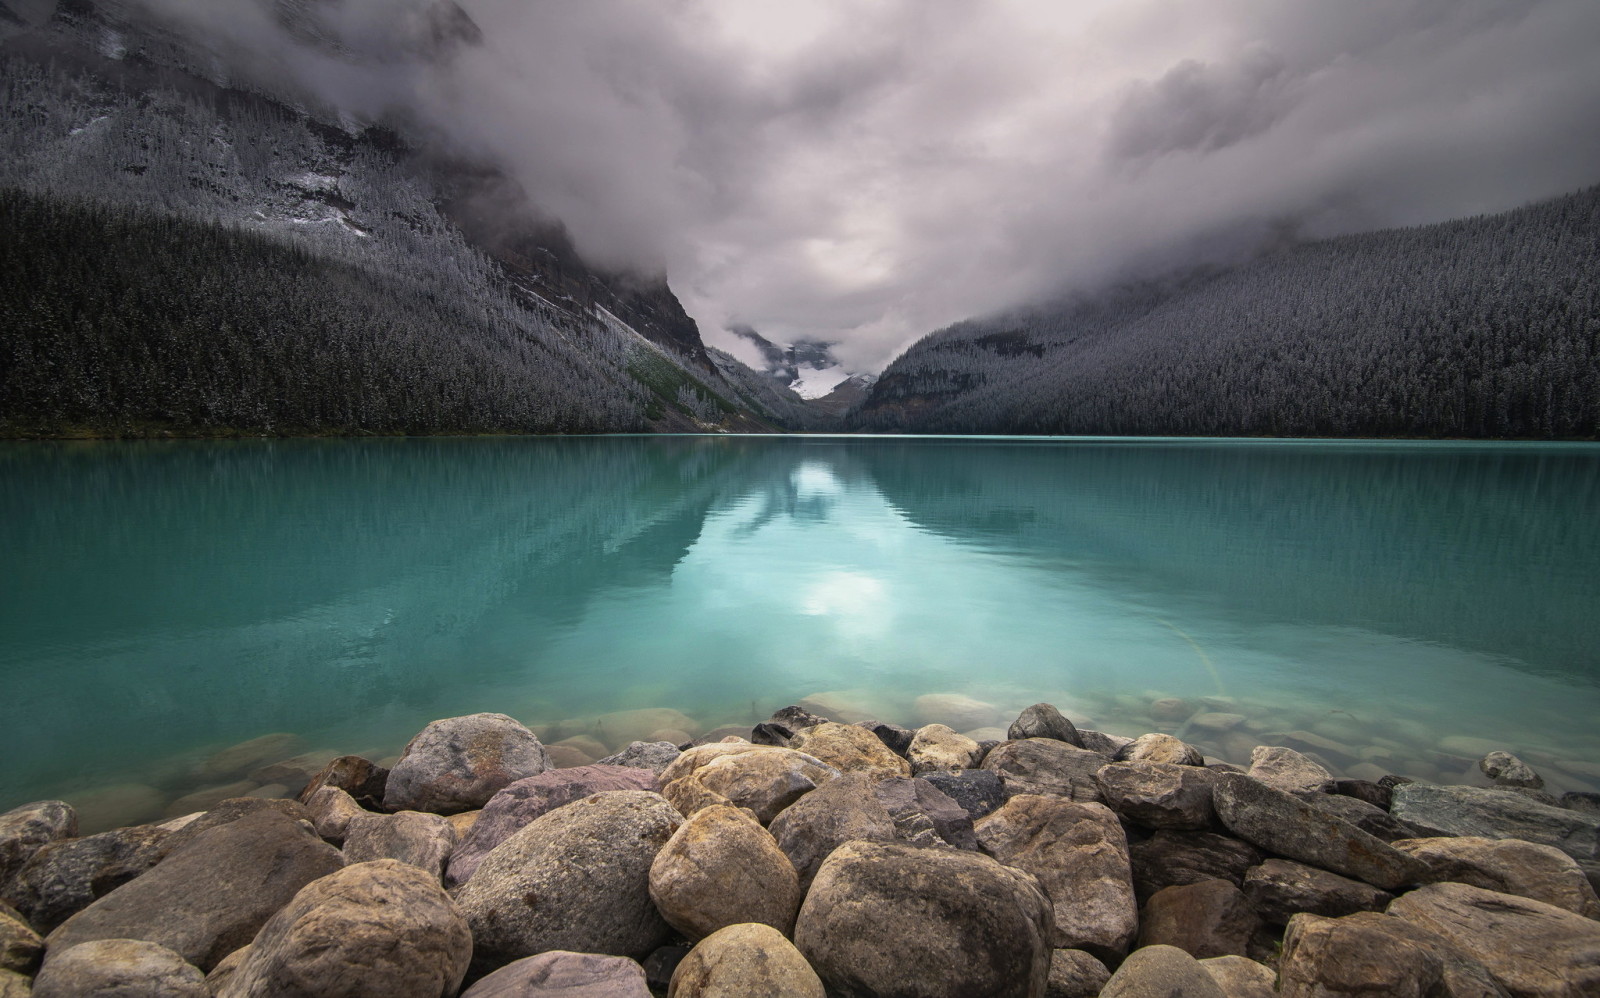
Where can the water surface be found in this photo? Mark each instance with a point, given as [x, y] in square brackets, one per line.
[160, 600]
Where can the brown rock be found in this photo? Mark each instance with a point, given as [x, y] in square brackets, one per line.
[767, 781]
[1158, 794]
[1075, 974]
[1168, 858]
[211, 896]
[849, 749]
[26, 829]
[15, 985]
[1158, 747]
[20, 946]
[362, 780]
[1241, 977]
[331, 810]
[690, 796]
[1372, 954]
[722, 868]
[936, 748]
[1046, 766]
[383, 929]
[745, 961]
[116, 968]
[559, 974]
[228, 811]
[458, 763]
[1170, 709]
[1211, 918]
[923, 815]
[1287, 770]
[1510, 866]
[1079, 854]
[1280, 889]
[414, 837]
[65, 877]
[892, 919]
[1161, 972]
[1043, 720]
[811, 828]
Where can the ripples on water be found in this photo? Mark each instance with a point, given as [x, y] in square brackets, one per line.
[160, 600]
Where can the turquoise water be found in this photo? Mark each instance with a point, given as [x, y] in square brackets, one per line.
[162, 600]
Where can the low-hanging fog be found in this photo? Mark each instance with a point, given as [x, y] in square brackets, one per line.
[865, 172]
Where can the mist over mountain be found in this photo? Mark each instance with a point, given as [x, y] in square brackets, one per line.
[1482, 327]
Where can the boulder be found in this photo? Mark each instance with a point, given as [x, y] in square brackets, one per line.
[1042, 720]
[15, 985]
[1495, 814]
[893, 736]
[722, 868]
[519, 803]
[363, 780]
[120, 968]
[382, 929]
[849, 749]
[1362, 954]
[654, 756]
[560, 974]
[1502, 931]
[1046, 766]
[923, 815]
[228, 811]
[976, 791]
[458, 763]
[1280, 889]
[66, 877]
[783, 724]
[1158, 794]
[1157, 747]
[1210, 918]
[1075, 974]
[622, 727]
[1241, 977]
[1279, 823]
[577, 878]
[1079, 854]
[20, 946]
[212, 895]
[810, 829]
[225, 969]
[1287, 770]
[690, 796]
[939, 749]
[765, 781]
[744, 961]
[237, 760]
[1161, 972]
[1507, 770]
[1365, 791]
[1168, 858]
[959, 711]
[1107, 745]
[892, 919]
[415, 837]
[26, 829]
[332, 810]
[691, 760]
[1581, 800]
[1369, 818]
[1509, 866]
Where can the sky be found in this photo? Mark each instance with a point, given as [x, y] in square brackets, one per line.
[867, 171]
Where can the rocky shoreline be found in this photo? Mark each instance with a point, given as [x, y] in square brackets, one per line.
[811, 857]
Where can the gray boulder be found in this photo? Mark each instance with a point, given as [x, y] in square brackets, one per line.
[1507, 770]
[415, 837]
[1502, 931]
[1158, 747]
[1046, 766]
[1161, 972]
[65, 877]
[1509, 866]
[331, 811]
[227, 811]
[1075, 974]
[458, 763]
[1280, 823]
[654, 756]
[765, 781]
[976, 791]
[1211, 918]
[209, 897]
[744, 961]
[1495, 814]
[383, 929]
[892, 919]
[923, 815]
[1168, 858]
[1280, 889]
[26, 829]
[1287, 770]
[937, 748]
[1079, 855]
[560, 974]
[810, 829]
[1043, 720]
[120, 968]
[577, 878]
[722, 868]
[1158, 794]
[1369, 818]
[519, 803]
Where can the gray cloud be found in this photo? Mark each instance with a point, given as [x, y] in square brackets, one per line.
[864, 173]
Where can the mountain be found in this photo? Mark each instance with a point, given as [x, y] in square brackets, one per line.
[1482, 327]
[190, 252]
[809, 369]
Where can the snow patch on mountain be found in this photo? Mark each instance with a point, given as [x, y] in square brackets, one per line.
[813, 382]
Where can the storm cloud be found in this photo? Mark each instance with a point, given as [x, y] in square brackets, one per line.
[867, 172]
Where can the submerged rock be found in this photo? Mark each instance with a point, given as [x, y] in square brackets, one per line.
[458, 763]
[240, 759]
[958, 710]
[892, 919]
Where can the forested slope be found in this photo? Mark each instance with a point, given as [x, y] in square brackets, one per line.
[1482, 327]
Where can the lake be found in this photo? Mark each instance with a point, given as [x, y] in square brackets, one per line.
[1397, 606]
